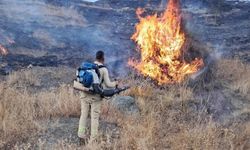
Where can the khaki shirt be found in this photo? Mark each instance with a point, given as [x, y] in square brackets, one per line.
[104, 76]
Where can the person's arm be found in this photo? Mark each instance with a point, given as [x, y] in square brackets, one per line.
[78, 86]
[106, 79]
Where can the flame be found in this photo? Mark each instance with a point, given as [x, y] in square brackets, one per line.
[3, 50]
[160, 41]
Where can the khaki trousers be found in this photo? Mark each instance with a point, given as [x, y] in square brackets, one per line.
[90, 103]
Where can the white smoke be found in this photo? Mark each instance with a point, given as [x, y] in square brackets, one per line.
[213, 56]
[90, 1]
[30, 11]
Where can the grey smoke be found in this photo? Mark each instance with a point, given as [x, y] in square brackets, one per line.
[213, 57]
[90, 0]
[64, 29]
[73, 32]
[29, 12]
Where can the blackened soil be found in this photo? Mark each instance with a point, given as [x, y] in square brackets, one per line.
[71, 31]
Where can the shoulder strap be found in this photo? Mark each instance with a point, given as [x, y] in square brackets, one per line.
[97, 70]
[101, 66]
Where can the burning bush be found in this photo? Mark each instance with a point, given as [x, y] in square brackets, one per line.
[161, 42]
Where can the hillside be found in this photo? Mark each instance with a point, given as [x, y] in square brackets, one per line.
[47, 40]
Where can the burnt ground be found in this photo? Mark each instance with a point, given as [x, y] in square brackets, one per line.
[51, 33]
[224, 26]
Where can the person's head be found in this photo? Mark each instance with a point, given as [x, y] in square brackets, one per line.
[100, 56]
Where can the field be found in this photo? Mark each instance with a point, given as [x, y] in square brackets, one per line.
[211, 112]
[43, 42]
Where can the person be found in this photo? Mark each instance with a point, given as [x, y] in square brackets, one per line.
[92, 102]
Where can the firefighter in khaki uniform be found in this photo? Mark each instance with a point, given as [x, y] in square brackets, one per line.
[93, 102]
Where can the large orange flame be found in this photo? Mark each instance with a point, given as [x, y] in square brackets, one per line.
[160, 41]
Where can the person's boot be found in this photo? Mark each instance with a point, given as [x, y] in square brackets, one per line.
[93, 140]
[82, 140]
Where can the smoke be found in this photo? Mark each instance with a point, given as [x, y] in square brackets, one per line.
[30, 12]
[201, 20]
[36, 24]
[66, 29]
[90, 0]
[215, 55]
[74, 32]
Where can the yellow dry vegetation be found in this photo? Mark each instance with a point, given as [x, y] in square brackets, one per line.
[166, 121]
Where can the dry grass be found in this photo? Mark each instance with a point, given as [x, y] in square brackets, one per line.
[167, 122]
[18, 112]
[167, 119]
[23, 78]
[59, 102]
[234, 74]
[207, 137]
[20, 109]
